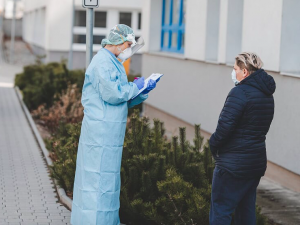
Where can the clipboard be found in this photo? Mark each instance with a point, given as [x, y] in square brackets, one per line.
[153, 76]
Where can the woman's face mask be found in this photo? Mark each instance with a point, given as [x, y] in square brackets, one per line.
[233, 77]
[126, 54]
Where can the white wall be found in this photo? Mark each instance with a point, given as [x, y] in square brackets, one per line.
[34, 4]
[283, 138]
[1, 5]
[262, 30]
[212, 30]
[234, 30]
[55, 33]
[223, 31]
[52, 29]
[195, 28]
[151, 24]
[290, 37]
[34, 27]
[58, 26]
[117, 4]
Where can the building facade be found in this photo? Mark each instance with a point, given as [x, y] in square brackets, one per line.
[194, 44]
[7, 17]
[48, 27]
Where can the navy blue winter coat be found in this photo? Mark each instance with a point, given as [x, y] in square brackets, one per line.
[238, 144]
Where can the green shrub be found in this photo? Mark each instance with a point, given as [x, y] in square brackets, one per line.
[43, 84]
[63, 152]
[162, 182]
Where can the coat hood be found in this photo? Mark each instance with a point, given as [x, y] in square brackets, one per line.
[262, 81]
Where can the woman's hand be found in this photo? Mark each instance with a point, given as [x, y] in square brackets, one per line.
[140, 82]
[151, 85]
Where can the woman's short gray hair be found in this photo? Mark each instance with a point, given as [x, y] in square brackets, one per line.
[249, 61]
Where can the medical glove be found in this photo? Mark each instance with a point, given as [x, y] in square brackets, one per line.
[139, 82]
[151, 85]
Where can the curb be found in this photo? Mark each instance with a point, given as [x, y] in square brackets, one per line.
[64, 199]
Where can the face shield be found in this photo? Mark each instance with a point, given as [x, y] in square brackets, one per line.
[136, 46]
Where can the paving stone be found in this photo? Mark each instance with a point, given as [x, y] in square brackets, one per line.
[60, 223]
[28, 221]
[43, 220]
[13, 220]
[24, 217]
[27, 193]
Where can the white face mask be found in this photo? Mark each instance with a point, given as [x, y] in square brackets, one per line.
[126, 54]
[233, 76]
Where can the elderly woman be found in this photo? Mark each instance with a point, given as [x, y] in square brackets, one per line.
[106, 97]
[238, 144]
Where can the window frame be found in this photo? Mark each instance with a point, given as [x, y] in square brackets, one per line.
[104, 12]
[124, 12]
[139, 26]
[172, 27]
[77, 12]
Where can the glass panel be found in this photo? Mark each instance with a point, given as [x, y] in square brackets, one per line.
[167, 11]
[182, 41]
[98, 39]
[139, 44]
[174, 40]
[80, 18]
[140, 21]
[125, 18]
[79, 38]
[166, 39]
[100, 19]
[176, 11]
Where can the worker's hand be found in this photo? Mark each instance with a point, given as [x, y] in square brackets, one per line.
[150, 86]
[140, 82]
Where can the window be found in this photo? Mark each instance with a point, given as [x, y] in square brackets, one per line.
[125, 18]
[139, 21]
[100, 19]
[81, 39]
[173, 27]
[80, 18]
[98, 39]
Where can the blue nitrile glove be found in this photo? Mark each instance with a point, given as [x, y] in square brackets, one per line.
[139, 82]
[151, 85]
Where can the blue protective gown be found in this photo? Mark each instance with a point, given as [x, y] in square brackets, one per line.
[106, 98]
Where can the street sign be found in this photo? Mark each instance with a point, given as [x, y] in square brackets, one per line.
[90, 3]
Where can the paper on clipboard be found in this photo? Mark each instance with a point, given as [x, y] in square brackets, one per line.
[154, 76]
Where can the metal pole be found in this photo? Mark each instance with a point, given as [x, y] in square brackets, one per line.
[12, 38]
[89, 35]
[1, 36]
[70, 61]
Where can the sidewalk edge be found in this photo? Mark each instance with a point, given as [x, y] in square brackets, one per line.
[64, 199]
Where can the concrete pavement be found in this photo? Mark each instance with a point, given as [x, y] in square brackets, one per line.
[278, 203]
[27, 195]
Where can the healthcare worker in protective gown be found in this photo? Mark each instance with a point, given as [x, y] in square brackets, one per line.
[106, 97]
